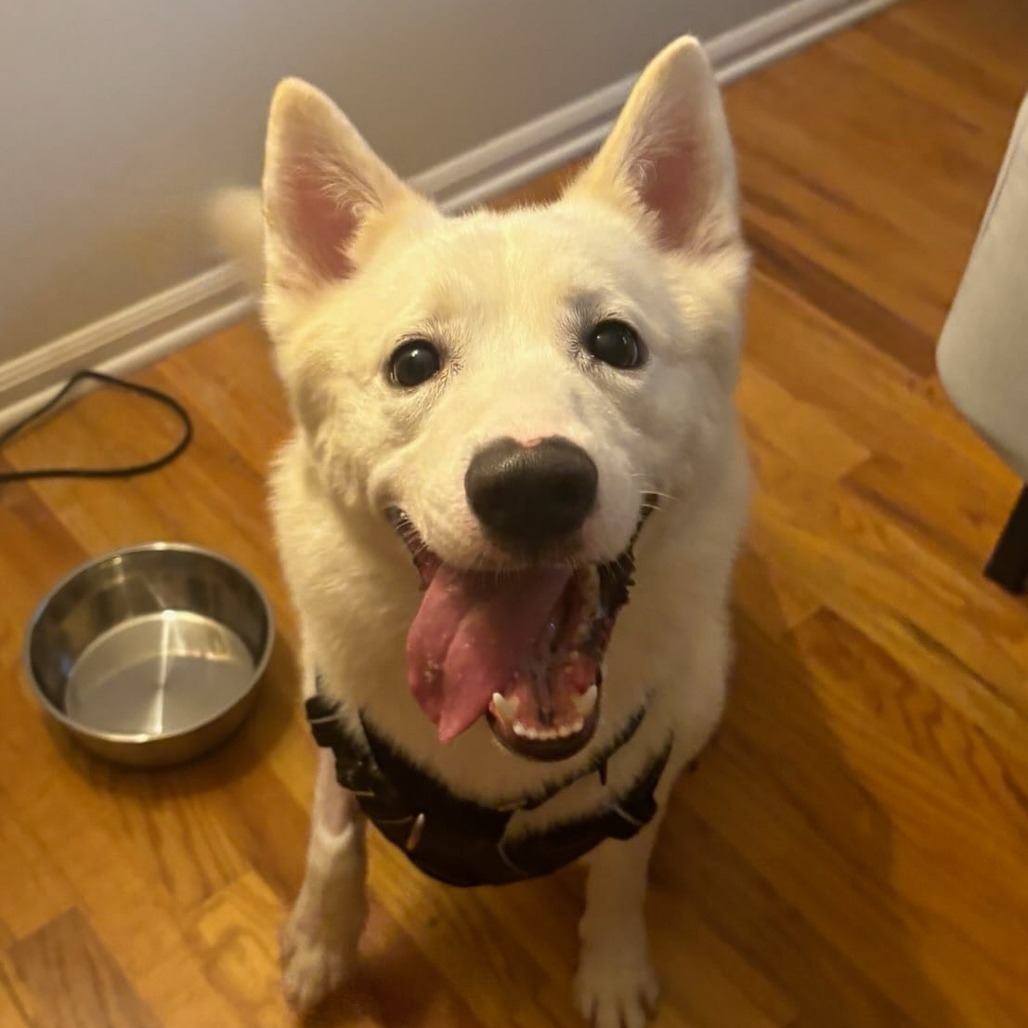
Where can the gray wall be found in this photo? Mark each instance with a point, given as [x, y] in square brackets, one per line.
[118, 116]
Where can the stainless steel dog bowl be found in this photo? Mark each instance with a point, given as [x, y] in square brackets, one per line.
[150, 655]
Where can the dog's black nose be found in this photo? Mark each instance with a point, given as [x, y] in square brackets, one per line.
[530, 495]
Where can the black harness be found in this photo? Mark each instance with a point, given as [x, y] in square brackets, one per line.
[461, 842]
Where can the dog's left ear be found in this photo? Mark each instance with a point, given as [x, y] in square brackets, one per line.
[669, 160]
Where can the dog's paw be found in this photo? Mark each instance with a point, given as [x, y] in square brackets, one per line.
[616, 989]
[313, 965]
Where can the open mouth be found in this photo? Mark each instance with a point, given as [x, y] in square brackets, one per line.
[524, 649]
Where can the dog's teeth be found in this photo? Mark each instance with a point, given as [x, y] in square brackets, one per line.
[585, 703]
[529, 731]
[537, 734]
[506, 709]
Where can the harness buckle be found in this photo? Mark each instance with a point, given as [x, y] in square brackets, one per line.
[416, 831]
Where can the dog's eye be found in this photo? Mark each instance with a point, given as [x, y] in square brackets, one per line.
[616, 344]
[414, 362]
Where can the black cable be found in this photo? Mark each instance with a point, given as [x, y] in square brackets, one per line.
[123, 472]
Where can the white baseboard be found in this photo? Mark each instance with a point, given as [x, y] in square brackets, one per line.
[194, 309]
[129, 339]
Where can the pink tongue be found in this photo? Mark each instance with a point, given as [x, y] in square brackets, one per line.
[471, 633]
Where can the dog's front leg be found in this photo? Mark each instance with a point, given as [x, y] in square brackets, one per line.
[616, 986]
[319, 940]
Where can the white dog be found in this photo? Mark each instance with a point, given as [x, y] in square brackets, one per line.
[512, 430]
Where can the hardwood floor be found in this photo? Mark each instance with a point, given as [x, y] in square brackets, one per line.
[854, 849]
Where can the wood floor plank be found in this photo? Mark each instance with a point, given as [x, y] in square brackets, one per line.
[988, 38]
[74, 981]
[806, 353]
[33, 891]
[233, 379]
[17, 1008]
[863, 568]
[241, 958]
[789, 425]
[389, 956]
[770, 596]
[138, 921]
[714, 877]
[712, 984]
[956, 762]
[503, 986]
[894, 219]
[831, 850]
[181, 988]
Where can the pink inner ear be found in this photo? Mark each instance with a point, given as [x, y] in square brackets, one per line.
[321, 223]
[675, 189]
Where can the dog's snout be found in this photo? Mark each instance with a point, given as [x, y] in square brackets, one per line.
[531, 495]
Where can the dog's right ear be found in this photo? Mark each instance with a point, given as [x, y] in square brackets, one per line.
[322, 183]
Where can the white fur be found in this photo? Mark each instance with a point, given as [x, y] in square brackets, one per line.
[355, 263]
[319, 941]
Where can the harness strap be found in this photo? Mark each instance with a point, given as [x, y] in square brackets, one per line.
[459, 841]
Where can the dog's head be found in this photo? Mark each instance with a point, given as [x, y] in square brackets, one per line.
[513, 391]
